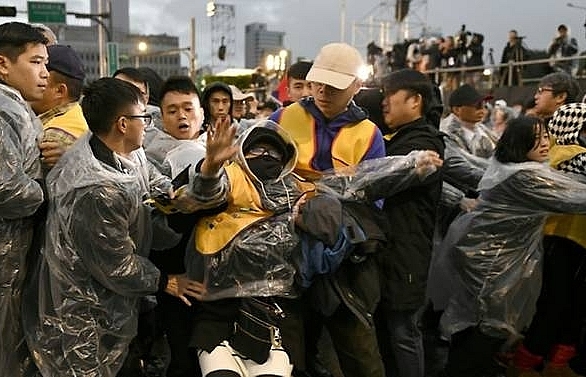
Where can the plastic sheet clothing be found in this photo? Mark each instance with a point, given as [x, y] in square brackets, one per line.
[488, 272]
[83, 311]
[258, 260]
[461, 173]
[21, 196]
[480, 141]
[462, 169]
[170, 155]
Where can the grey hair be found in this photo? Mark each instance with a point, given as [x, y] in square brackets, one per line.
[507, 111]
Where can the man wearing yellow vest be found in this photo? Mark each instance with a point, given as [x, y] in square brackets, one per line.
[331, 131]
[59, 110]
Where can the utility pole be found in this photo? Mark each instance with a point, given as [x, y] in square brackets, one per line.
[192, 62]
[101, 45]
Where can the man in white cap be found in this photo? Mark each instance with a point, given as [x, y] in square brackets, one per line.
[331, 131]
[240, 102]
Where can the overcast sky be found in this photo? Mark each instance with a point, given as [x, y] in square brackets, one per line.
[309, 24]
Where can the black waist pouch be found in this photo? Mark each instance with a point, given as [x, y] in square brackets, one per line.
[256, 329]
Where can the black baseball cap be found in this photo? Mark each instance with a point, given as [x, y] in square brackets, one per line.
[408, 79]
[65, 60]
[466, 95]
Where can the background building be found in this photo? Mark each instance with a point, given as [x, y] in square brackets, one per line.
[83, 40]
[159, 52]
[259, 43]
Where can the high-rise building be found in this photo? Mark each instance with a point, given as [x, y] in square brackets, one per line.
[260, 42]
[83, 39]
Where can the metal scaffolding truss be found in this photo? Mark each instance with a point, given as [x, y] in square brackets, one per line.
[379, 25]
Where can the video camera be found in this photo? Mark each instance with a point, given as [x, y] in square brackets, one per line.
[465, 37]
[461, 37]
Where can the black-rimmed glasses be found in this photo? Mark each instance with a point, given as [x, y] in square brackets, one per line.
[540, 90]
[147, 119]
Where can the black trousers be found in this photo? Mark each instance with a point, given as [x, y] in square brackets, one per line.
[471, 354]
[561, 304]
[176, 320]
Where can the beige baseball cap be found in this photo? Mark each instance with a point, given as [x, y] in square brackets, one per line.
[337, 65]
[238, 95]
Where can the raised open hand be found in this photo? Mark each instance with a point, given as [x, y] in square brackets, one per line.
[219, 146]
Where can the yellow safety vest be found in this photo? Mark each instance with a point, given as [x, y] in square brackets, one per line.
[348, 147]
[213, 233]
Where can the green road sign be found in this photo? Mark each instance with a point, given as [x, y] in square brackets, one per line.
[112, 48]
[46, 13]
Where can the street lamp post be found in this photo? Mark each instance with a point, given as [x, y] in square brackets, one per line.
[142, 49]
[192, 62]
[98, 18]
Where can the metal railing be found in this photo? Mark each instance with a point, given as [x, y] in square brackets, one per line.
[512, 68]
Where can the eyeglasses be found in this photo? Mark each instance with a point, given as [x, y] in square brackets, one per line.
[540, 90]
[147, 119]
[262, 151]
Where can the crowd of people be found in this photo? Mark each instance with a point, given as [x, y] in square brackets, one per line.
[148, 228]
[465, 49]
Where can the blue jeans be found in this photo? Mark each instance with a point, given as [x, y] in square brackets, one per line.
[406, 342]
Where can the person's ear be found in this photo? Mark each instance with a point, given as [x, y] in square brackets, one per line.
[417, 100]
[561, 98]
[121, 124]
[62, 90]
[4, 65]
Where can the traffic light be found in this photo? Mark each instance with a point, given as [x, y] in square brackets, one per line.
[222, 51]
[7, 11]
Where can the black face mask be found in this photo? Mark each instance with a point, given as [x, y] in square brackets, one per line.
[265, 167]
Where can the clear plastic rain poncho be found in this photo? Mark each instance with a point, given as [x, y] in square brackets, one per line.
[258, 261]
[83, 314]
[20, 197]
[170, 155]
[462, 169]
[489, 266]
[480, 141]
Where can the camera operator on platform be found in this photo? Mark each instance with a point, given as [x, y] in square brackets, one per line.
[513, 51]
[562, 46]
